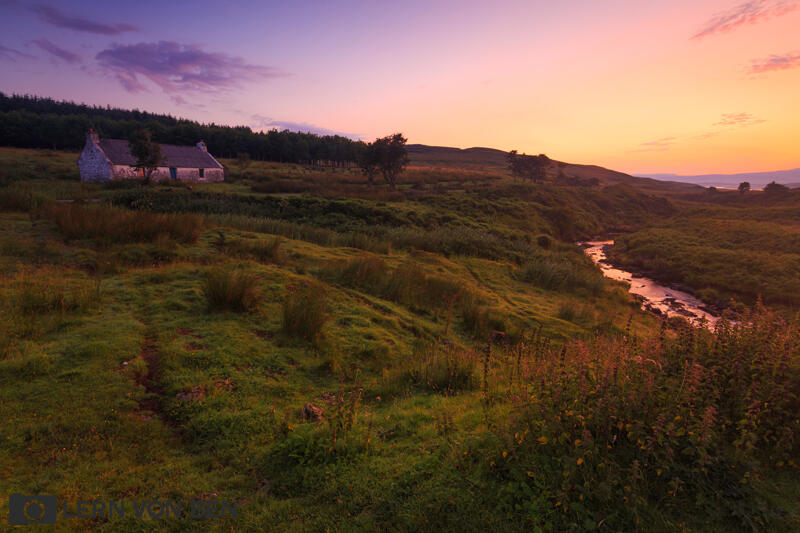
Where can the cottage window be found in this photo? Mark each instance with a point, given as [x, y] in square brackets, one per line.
[201, 170]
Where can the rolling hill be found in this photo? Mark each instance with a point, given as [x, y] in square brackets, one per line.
[790, 178]
[478, 158]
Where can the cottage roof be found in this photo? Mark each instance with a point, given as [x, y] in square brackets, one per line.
[119, 153]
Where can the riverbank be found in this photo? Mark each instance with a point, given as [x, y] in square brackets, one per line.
[662, 300]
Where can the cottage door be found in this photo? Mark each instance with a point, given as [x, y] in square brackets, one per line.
[173, 173]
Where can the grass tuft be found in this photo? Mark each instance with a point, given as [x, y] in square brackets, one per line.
[227, 289]
[305, 311]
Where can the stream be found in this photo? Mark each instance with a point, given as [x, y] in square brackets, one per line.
[657, 298]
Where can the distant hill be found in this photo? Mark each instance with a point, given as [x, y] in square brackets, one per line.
[491, 159]
[790, 178]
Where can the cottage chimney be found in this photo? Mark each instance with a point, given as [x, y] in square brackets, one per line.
[91, 136]
[202, 146]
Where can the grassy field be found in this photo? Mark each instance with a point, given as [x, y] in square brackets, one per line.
[473, 369]
[730, 252]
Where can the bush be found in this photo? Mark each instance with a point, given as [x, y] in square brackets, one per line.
[305, 311]
[226, 289]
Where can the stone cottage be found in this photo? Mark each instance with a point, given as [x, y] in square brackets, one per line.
[110, 159]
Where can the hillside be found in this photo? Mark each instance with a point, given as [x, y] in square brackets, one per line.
[490, 159]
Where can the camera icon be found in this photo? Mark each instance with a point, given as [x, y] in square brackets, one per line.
[28, 509]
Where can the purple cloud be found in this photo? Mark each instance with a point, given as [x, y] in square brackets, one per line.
[10, 53]
[775, 62]
[57, 51]
[747, 13]
[178, 67]
[738, 120]
[51, 15]
[261, 122]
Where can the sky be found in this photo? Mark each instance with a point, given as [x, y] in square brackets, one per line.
[657, 86]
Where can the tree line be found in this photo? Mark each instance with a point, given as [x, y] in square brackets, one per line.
[35, 122]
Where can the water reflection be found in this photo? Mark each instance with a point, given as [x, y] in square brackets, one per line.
[657, 298]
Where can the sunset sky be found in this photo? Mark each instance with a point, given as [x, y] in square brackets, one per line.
[682, 86]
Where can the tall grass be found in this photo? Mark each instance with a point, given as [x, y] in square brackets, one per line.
[265, 250]
[407, 284]
[304, 232]
[562, 273]
[44, 291]
[433, 367]
[305, 311]
[226, 289]
[113, 226]
[608, 430]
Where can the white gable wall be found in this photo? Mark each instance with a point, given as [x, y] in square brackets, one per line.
[93, 164]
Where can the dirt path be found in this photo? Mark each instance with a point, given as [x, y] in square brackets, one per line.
[151, 382]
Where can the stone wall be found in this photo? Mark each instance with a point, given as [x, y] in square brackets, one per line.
[162, 174]
[93, 165]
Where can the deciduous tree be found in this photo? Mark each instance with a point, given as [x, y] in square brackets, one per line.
[146, 152]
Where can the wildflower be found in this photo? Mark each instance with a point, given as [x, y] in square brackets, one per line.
[580, 461]
[542, 440]
[505, 454]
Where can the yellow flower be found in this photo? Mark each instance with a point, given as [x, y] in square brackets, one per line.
[542, 440]
[505, 454]
[580, 461]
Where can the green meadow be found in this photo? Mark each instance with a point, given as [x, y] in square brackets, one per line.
[332, 357]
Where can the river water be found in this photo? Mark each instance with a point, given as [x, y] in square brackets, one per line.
[657, 298]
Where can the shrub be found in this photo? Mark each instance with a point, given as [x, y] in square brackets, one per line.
[226, 289]
[305, 311]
